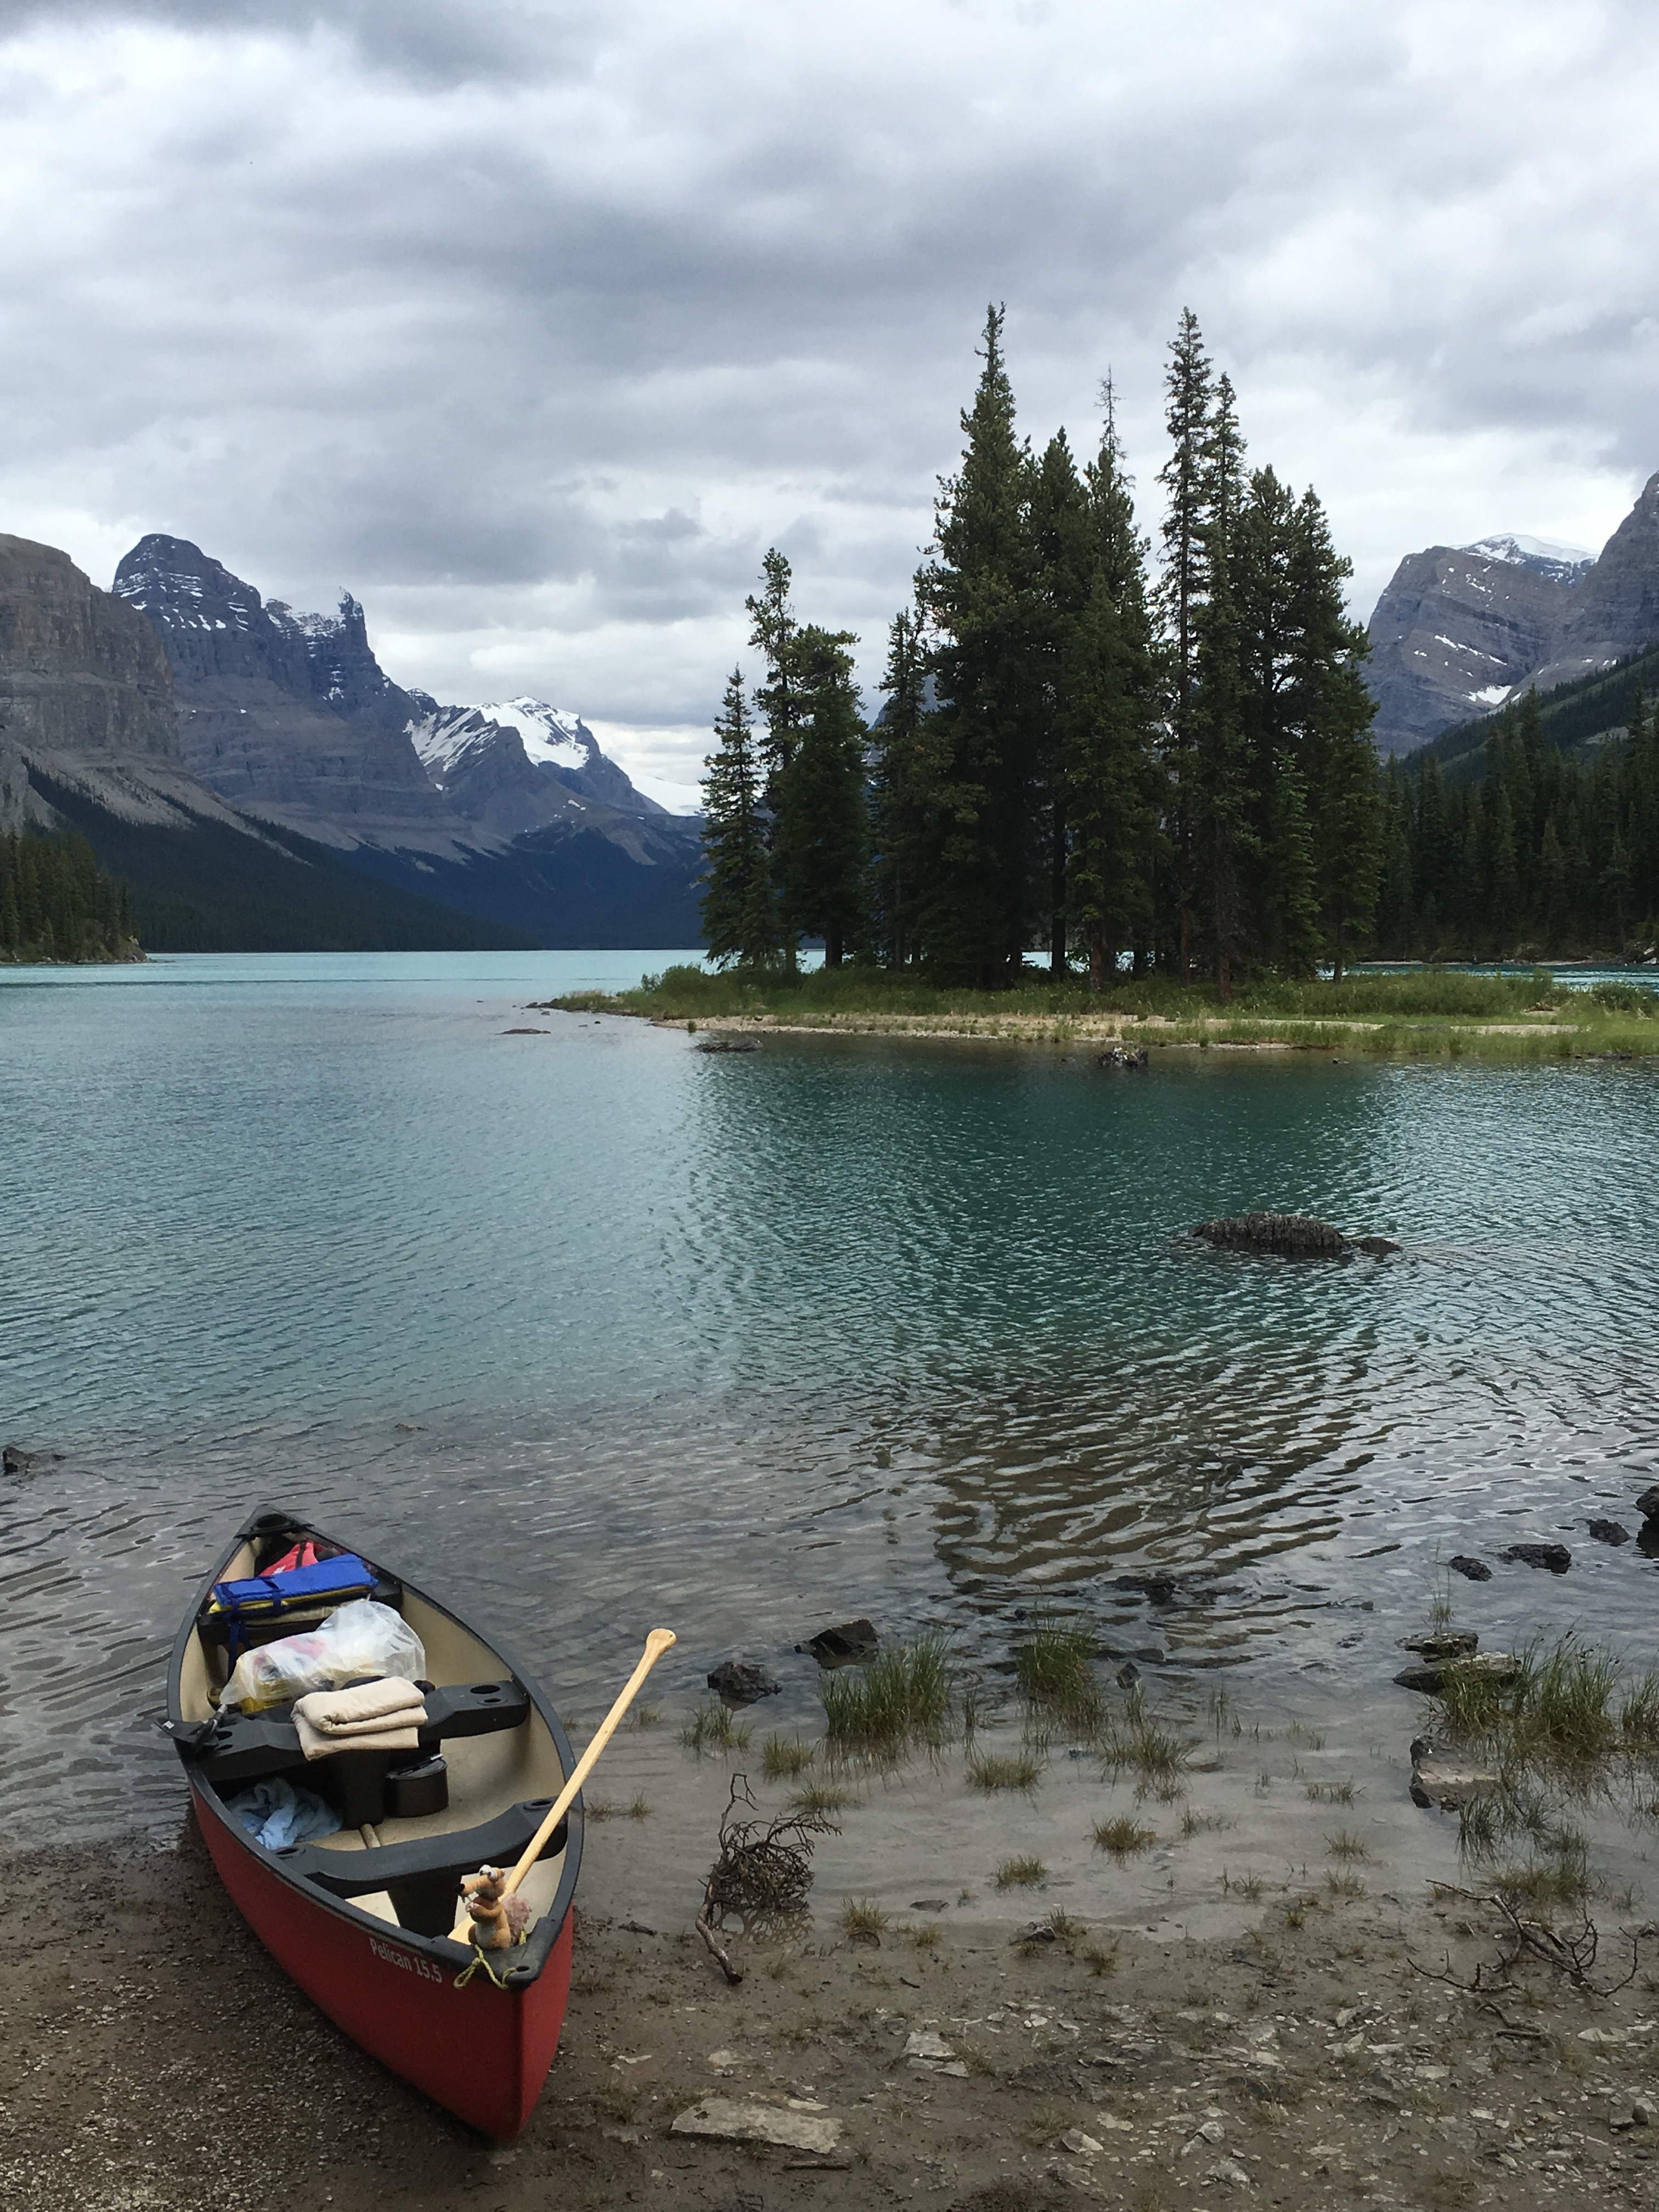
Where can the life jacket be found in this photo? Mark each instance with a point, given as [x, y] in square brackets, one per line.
[298, 1579]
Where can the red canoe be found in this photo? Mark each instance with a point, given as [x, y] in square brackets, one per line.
[359, 1918]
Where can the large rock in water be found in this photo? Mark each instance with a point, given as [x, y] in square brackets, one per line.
[1292, 1236]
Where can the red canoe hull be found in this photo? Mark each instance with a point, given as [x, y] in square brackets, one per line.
[482, 2052]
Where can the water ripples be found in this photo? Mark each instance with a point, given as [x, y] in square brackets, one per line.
[748, 1343]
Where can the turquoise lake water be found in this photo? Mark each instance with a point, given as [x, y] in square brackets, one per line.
[588, 1330]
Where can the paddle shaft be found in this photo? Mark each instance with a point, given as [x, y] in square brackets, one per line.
[656, 1644]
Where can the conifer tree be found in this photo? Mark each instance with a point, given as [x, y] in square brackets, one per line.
[1335, 712]
[1108, 726]
[1223, 839]
[821, 844]
[986, 872]
[739, 911]
[903, 772]
[1186, 481]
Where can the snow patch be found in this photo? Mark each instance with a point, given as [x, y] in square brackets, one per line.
[550, 733]
[1493, 694]
[1515, 547]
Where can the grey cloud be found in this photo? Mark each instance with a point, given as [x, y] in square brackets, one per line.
[438, 299]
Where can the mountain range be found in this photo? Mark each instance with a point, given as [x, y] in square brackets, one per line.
[183, 708]
[1460, 628]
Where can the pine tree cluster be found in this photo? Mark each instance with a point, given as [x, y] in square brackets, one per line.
[1075, 754]
[1544, 855]
[56, 905]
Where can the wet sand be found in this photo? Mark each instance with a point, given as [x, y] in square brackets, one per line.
[152, 2059]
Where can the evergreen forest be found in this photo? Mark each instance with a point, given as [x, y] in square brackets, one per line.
[1533, 852]
[56, 903]
[1130, 756]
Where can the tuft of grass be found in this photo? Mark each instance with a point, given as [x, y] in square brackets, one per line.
[822, 1798]
[1195, 1824]
[599, 1808]
[646, 1716]
[1558, 1710]
[1140, 1744]
[1123, 1837]
[639, 1810]
[990, 1771]
[924, 1938]
[1101, 1959]
[1021, 1874]
[1054, 1667]
[1247, 1885]
[1332, 1793]
[1348, 1886]
[863, 1920]
[715, 1726]
[1065, 1929]
[1344, 1844]
[901, 1698]
[784, 1757]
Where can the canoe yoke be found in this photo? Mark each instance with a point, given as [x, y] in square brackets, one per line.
[422, 1877]
[233, 1748]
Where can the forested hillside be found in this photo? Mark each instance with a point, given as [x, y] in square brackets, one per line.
[1521, 848]
[1080, 751]
[56, 905]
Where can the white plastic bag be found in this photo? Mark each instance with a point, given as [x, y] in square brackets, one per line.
[359, 1639]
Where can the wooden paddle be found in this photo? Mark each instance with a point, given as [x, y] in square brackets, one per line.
[655, 1645]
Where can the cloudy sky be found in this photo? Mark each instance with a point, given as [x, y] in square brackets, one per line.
[535, 324]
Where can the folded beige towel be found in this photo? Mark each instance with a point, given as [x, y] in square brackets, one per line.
[380, 1716]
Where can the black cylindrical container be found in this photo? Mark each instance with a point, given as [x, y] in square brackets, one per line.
[412, 1792]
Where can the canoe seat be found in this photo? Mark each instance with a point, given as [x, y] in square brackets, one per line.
[423, 1877]
[234, 1748]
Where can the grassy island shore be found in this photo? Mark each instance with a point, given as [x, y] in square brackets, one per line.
[1420, 1014]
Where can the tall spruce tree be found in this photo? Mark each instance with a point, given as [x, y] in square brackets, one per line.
[820, 846]
[1108, 726]
[740, 917]
[987, 873]
[1186, 480]
[1063, 578]
[903, 773]
[1222, 840]
[1334, 712]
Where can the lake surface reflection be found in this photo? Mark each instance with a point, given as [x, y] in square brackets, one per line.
[591, 1331]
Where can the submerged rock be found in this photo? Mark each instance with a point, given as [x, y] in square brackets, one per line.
[21, 1464]
[1474, 1571]
[1443, 1782]
[1429, 1681]
[1609, 1532]
[1121, 1056]
[740, 1682]
[1556, 1557]
[1442, 1643]
[846, 1646]
[727, 1044]
[1290, 1235]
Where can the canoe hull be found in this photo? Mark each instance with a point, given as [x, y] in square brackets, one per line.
[481, 2051]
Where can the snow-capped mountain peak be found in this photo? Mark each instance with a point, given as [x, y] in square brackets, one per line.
[550, 733]
[1565, 563]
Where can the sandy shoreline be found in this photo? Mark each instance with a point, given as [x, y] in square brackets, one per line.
[152, 2059]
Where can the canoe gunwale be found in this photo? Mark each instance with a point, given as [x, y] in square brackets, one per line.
[519, 1968]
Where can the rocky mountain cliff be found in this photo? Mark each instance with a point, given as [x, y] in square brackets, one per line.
[289, 717]
[1460, 628]
[86, 699]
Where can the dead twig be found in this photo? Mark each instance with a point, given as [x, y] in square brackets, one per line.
[1573, 1953]
[763, 1874]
